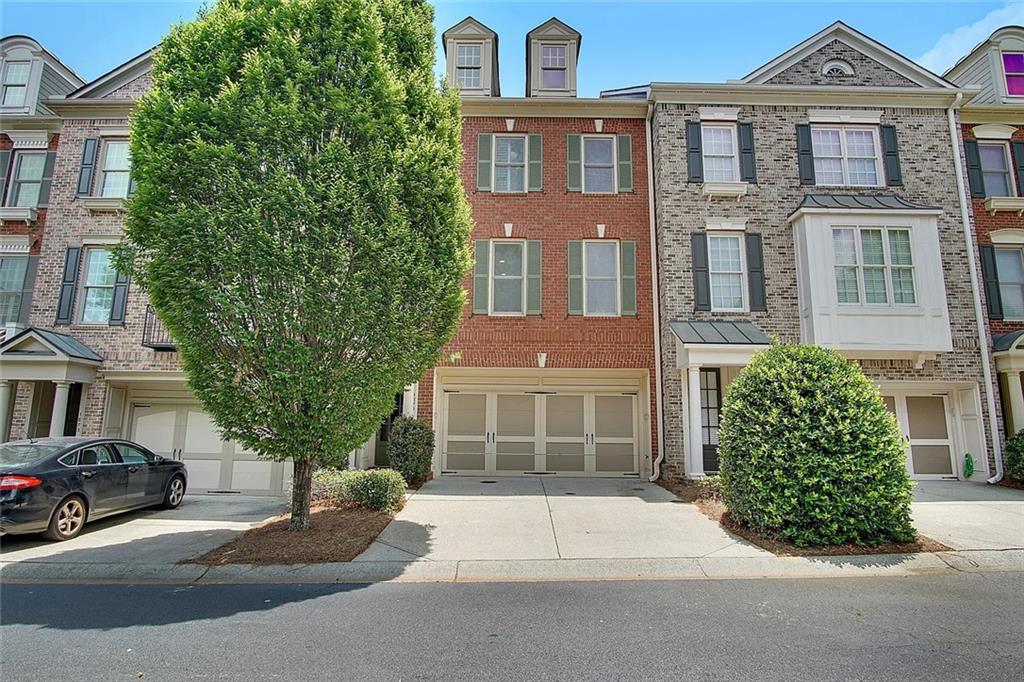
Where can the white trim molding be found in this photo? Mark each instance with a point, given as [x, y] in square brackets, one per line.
[1008, 204]
[28, 139]
[1007, 237]
[855, 116]
[718, 113]
[993, 131]
[15, 213]
[723, 224]
[730, 190]
[15, 244]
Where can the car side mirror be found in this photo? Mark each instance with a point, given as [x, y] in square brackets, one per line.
[157, 459]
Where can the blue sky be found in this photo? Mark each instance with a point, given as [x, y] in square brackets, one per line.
[624, 43]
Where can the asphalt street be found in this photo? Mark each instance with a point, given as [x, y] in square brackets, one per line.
[950, 627]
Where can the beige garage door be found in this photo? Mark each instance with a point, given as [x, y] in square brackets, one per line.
[516, 433]
[184, 431]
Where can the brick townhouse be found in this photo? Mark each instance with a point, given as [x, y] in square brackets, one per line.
[816, 201]
[992, 129]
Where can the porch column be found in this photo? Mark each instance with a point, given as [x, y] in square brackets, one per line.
[696, 441]
[60, 408]
[1016, 401]
[5, 409]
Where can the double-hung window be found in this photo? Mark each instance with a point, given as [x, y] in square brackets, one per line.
[116, 169]
[995, 169]
[15, 83]
[12, 285]
[718, 144]
[468, 65]
[27, 179]
[98, 287]
[508, 278]
[725, 270]
[599, 164]
[1010, 271]
[1013, 68]
[601, 278]
[509, 163]
[873, 265]
[553, 67]
[846, 156]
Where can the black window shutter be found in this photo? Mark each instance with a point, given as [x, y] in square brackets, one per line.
[990, 277]
[1018, 163]
[805, 153]
[68, 283]
[694, 153]
[5, 164]
[120, 303]
[701, 277]
[44, 186]
[891, 157]
[755, 273]
[974, 176]
[748, 163]
[85, 171]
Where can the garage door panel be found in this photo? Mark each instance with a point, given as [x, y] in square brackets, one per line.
[564, 416]
[251, 475]
[201, 434]
[565, 464]
[613, 416]
[203, 474]
[614, 457]
[154, 428]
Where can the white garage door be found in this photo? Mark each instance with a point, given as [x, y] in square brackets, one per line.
[184, 431]
[522, 432]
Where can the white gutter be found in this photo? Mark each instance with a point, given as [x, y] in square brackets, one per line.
[655, 300]
[979, 312]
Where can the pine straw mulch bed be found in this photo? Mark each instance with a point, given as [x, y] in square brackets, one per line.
[715, 510]
[337, 532]
[1012, 483]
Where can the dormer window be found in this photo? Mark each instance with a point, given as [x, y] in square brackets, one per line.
[553, 69]
[1013, 67]
[467, 65]
[15, 83]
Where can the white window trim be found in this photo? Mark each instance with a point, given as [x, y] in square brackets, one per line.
[735, 150]
[101, 163]
[744, 294]
[456, 67]
[494, 163]
[12, 179]
[876, 136]
[563, 69]
[1008, 156]
[81, 288]
[1002, 70]
[490, 278]
[27, 85]
[887, 267]
[583, 164]
[1020, 252]
[618, 277]
[21, 290]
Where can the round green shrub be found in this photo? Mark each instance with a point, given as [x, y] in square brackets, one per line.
[411, 449]
[332, 485]
[810, 455]
[1013, 455]
[380, 489]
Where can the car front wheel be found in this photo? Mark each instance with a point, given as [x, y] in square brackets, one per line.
[175, 492]
[67, 520]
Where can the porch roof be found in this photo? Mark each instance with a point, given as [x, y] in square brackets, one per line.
[62, 343]
[729, 332]
[1007, 341]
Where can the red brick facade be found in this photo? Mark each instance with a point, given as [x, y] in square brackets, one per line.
[556, 216]
[36, 228]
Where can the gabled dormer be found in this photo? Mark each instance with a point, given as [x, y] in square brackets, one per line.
[552, 51]
[471, 53]
[995, 67]
[30, 74]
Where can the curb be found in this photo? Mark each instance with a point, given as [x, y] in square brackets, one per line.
[467, 571]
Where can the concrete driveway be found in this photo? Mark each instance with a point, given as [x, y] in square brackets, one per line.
[150, 536]
[970, 515]
[461, 518]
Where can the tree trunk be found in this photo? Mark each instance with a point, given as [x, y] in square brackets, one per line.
[302, 488]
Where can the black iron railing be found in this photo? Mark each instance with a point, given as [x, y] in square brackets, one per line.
[154, 334]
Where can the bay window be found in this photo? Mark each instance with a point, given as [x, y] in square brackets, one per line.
[873, 266]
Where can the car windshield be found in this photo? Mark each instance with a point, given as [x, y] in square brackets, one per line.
[21, 454]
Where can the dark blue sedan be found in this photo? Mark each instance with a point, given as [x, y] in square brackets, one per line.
[54, 486]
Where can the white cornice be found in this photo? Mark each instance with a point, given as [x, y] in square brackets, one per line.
[92, 108]
[803, 95]
[550, 107]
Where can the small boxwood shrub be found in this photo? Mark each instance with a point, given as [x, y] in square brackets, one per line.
[380, 489]
[1013, 455]
[810, 455]
[331, 484]
[709, 488]
[411, 449]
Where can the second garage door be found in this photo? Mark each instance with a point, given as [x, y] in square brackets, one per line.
[186, 432]
[523, 432]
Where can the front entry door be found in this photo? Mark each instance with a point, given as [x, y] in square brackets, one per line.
[710, 412]
[924, 422]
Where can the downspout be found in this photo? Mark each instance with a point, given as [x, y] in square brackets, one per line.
[979, 313]
[655, 300]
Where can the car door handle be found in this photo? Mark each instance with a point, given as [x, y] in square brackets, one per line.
[88, 474]
[132, 470]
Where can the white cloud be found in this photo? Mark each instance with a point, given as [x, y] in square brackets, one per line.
[961, 40]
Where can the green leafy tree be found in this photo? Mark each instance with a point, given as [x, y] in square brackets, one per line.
[298, 222]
